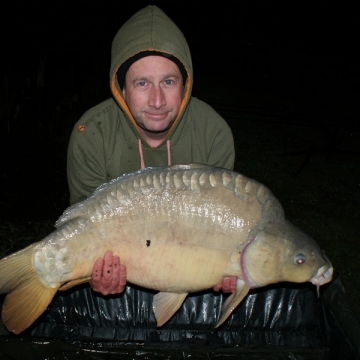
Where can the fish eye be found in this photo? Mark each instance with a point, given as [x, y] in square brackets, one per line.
[300, 259]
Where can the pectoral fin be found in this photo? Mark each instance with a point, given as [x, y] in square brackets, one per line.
[233, 301]
[165, 305]
[72, 283]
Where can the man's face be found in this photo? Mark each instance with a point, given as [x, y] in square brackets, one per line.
[153, 92]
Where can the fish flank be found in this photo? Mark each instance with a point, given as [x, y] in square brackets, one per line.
[204, 179]
[228, 180]
[195, 186]
[240, 183]
[187, 179]
[156, 182]
[178, 181]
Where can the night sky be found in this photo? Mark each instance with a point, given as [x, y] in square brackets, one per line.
[267, 32]
[56, 57]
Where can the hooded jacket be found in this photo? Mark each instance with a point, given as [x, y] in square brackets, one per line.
[106, 143]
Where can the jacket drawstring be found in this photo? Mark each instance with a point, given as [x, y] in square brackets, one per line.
[142, 162]
[168, 152]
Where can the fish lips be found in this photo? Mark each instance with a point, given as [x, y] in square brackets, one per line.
[323, 276]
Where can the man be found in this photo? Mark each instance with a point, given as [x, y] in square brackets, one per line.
[151, 120]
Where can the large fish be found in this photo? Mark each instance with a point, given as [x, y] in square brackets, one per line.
[178, 229]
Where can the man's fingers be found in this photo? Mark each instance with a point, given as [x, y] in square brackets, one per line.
[108, 267]
[116, 269]
[122, 280]
[108, 275]
[228, 285]
[217, 287]
[233, 280]
[96, 274]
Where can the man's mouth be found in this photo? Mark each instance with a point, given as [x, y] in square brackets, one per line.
[155, 131]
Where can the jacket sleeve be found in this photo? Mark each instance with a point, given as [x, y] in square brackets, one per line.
[222, 148]
[211, 135]
[214, 135]
[85, 161]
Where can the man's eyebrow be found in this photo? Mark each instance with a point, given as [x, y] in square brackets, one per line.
[172, 74]
[148, 78]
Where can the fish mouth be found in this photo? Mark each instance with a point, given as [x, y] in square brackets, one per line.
[323, 276]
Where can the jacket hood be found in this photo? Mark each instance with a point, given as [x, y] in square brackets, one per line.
[149, 30]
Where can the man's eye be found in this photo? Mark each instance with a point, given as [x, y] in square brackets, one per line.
[141, 83]
[169, 82]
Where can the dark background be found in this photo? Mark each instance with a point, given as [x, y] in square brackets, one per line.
[284, 74]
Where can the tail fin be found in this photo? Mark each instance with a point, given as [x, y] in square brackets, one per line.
[27, 296]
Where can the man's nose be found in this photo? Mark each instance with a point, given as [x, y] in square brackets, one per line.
[157, 97]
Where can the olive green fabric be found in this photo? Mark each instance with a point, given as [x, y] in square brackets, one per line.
[104, 143]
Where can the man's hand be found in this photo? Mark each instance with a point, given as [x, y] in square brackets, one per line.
[228, 285]
[108, 275]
